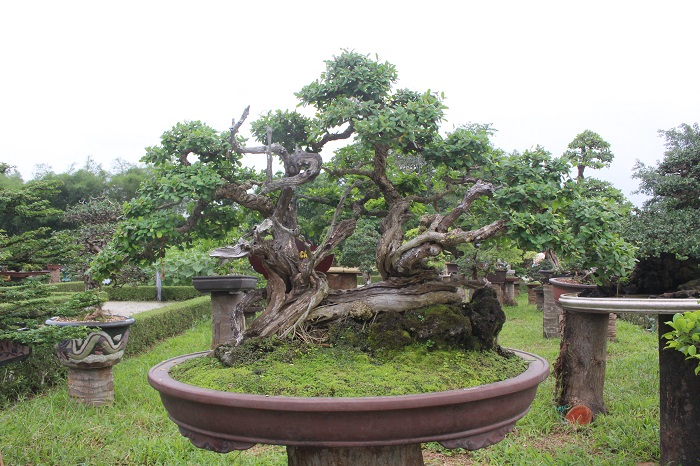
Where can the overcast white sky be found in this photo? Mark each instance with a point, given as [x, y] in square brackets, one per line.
[105, 79]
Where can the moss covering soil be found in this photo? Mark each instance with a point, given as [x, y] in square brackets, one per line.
[300, 370]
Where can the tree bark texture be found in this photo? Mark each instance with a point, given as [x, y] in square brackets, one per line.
[580, 367]
[679, 391]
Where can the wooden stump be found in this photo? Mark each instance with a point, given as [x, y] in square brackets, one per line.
[679, 404]
[580, 367]
[404, 455]
[551, 315]
[92, 387]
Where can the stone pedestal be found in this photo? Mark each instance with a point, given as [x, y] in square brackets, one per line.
[225, 316]
[552, 314]
[227, 319]
[92, 387]
[532, 293]
[509, 292]
[405, 455]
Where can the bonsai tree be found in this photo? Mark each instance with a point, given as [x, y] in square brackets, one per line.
[431, 193]
[588, 149]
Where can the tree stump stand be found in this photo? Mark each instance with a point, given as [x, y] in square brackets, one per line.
[405, 455]
[551, 317]
[580, 368]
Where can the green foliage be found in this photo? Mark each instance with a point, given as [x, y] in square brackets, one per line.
[685, 336]
[359, 250]
[290, 129]
[190, 167]
[669, 221]
[25, 241]
[25, 307]
[466, 147]
[583, 221]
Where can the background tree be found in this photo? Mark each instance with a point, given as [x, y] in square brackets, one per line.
[667, 227]
[359, 250]
[24, 246]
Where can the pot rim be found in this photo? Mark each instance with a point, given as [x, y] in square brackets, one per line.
[563, 284]
[91, 323]
[159, 378]
[633, 304]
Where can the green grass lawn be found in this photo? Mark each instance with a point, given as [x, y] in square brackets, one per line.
[52, 430]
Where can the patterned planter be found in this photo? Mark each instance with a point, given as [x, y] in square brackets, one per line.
[90, 360]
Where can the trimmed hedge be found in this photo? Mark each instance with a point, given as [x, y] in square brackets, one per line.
[68, 287]
[158, 324]
[150, 293]
[134, 293]
[42, 370]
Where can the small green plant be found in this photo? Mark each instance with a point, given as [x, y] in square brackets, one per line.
[685, 336]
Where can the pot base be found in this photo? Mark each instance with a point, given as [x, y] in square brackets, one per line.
[92, 387]
[406, 455]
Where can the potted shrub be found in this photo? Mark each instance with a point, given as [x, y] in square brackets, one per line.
[90, 358]
[200, 188]
[87, 338]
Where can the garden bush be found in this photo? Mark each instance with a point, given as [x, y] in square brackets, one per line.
[150, 293]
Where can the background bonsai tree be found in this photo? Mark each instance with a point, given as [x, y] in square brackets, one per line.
[430, 192]
[667, 227]
[588, 149]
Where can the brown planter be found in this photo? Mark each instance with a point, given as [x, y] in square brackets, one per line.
[12, 351]
[90, 360]
[323, 266]
[563, 285]
[471, 418]
[498, 276]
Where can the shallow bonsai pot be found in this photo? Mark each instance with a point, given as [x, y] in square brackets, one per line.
[226, 283]
[562, 286]
[470, 418]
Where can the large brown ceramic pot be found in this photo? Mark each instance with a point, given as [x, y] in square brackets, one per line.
[372, 429]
